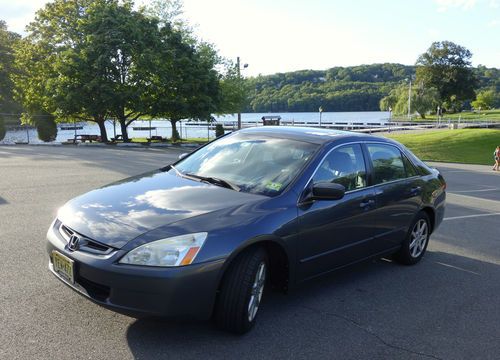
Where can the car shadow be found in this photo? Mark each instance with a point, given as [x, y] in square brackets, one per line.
[377, 309]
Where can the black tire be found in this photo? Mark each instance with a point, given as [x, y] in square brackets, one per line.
[412, 252]
[232, 312]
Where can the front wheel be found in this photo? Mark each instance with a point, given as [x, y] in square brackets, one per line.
[415, 244]
[241, 291]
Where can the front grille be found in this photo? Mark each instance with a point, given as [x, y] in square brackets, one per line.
[66, 232]
[85, 244]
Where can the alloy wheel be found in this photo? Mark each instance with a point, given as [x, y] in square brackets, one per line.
[257, 291]
[419, 236]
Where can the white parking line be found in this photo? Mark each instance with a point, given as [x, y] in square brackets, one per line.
[458, 268]
[479, 190]
[470, 216]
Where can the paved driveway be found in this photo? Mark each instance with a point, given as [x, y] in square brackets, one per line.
[447, 307]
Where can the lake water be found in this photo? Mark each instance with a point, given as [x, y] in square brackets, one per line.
[163, 128]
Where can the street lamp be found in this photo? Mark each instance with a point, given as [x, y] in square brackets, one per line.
[239, 78]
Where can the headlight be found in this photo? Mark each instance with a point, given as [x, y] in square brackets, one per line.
[173, 251]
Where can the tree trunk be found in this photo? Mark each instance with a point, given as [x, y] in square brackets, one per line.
[175, 133]
[101, 122]
[422, 115]
[123, 126]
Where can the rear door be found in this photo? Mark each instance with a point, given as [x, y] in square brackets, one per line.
[398, 191]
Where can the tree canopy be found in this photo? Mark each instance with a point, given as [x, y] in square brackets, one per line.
[446, 67]
[99, 59]
[9, 107]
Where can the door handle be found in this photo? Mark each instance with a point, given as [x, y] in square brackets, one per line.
[366, 203]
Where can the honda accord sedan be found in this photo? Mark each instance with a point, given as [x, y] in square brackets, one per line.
[263, 207]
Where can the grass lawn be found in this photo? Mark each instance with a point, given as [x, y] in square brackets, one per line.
[484, 115]
[469, 146]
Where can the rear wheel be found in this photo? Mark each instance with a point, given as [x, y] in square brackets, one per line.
[241, 291]
[417, 239]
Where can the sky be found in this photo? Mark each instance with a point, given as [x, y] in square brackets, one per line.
[286, 35]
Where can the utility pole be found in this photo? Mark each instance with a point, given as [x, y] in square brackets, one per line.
[320, 112]
[239, 81]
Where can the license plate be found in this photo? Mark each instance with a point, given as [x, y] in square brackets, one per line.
[63, 266]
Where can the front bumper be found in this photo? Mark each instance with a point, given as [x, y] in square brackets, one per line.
[184, 292]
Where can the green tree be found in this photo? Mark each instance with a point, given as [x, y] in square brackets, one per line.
[122, 45]
[52, 74]
[234, 90]
[186, 85]
[9, 107]
[2, 129]
[446, 67]
[89, 60]
[422, 100]
[46, 128]
[485, 100]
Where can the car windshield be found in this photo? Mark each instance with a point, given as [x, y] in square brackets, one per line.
[249, 163]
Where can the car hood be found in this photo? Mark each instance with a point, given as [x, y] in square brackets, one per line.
[119, 212]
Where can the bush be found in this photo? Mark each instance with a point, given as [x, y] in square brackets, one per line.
[219, 130]
[47, 129]
[2, 129]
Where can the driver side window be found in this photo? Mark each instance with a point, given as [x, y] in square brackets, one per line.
[344, 165]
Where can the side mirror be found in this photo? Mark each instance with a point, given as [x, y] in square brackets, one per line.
[183, 155]
[327, 191]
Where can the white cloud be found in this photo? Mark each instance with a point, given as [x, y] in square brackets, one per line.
[19, 13]
[493, 23]
[433, 33]
[445, 5]
[495, 4]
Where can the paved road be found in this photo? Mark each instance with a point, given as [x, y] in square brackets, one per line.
[447, 307]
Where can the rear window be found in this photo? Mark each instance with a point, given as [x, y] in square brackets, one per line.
[387, 163]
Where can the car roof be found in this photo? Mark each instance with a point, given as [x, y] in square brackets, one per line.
[309, 134]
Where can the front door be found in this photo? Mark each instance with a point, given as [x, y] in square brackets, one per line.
[334, 233]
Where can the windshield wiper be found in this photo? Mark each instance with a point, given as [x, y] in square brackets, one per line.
[183, 175]
[215, 181]
[176, 171]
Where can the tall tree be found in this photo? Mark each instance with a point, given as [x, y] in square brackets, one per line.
[123, 44]
[234, 90]
[186, 84]
[89, 60]
[52, 73]
[422, 101]
[9, 107]
[446, 67]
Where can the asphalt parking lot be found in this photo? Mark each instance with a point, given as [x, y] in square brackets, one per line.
[446, 307]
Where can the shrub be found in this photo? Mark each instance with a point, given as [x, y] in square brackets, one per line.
[47, 129]
[219, 130]
[2, 129]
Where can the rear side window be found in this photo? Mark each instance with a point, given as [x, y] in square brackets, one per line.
[387, 163]
[344, 165]
[410, 169]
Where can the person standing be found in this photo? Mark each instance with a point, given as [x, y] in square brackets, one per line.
[496, 167]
